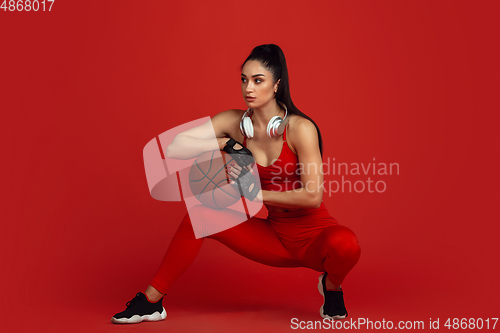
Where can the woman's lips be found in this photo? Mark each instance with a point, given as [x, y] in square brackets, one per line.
[250, 99]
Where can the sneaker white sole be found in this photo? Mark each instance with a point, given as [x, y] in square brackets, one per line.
[320, 289]
[137, 319]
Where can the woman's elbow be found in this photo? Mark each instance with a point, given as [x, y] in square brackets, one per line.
[315, 200]
[317, 203]
[169, 151]
[172, 150]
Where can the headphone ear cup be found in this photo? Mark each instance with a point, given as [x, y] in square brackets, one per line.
[272, 126]
[247, 127]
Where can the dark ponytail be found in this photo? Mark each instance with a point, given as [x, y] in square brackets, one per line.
[272, 57]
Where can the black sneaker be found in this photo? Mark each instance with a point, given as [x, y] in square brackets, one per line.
[140, 309]
[333, 301]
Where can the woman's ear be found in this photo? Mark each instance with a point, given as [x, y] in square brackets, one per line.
[276, 86]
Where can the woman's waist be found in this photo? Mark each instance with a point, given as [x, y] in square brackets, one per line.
[295, 212]
[275, 210]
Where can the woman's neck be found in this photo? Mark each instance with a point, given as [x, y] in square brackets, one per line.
[262, 115]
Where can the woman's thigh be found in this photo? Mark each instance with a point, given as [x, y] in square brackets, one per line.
[257, 241]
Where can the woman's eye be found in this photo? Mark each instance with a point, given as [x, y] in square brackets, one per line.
[243, 80]
[258, 80]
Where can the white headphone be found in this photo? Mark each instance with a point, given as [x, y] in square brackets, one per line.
[275, 127]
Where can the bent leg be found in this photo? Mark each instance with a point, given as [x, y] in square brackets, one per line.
[335, 250]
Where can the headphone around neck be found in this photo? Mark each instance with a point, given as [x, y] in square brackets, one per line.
[275, 127]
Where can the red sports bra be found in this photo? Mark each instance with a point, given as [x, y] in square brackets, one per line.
[283, 174]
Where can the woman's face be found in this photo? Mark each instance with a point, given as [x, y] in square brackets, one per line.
[257, 84]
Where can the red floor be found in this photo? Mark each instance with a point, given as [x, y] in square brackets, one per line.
[271, 298]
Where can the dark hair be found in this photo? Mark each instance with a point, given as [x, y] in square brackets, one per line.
[272, 57]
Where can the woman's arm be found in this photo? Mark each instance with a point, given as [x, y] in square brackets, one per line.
[311, 193]
[206, 137]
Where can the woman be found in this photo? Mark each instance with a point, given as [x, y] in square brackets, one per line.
[299, 231]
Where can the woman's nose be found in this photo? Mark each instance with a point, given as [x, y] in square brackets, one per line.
[249, 87]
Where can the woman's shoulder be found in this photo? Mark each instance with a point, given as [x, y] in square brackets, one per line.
[298, 129]
[299, 125]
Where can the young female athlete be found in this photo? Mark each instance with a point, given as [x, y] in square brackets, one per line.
[286, 145]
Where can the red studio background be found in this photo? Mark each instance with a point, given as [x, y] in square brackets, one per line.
[85, 86]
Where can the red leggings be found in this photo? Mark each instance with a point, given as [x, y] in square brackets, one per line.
[304, 238]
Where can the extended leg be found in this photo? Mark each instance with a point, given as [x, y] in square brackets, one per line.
[253, 239]
[180, 254]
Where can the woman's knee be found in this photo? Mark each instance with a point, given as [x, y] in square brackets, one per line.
[343, 241]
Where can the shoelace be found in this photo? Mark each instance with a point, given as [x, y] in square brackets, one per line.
[133, 300]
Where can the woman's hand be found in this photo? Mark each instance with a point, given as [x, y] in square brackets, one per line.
[239, 153]
[244, 178]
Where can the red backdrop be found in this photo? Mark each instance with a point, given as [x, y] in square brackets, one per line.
[85, 86]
